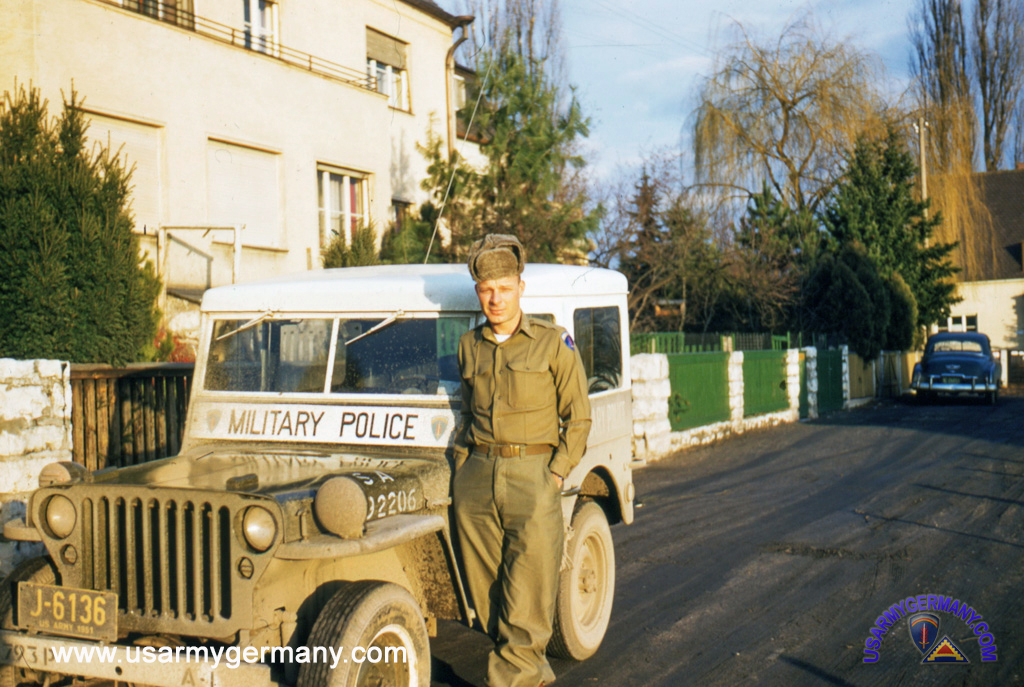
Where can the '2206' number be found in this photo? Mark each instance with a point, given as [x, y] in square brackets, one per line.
[391, 503]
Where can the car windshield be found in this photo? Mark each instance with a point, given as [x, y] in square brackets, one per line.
[346, 356]
[955, 346]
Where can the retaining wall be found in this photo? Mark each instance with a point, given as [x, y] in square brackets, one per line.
[35, 429]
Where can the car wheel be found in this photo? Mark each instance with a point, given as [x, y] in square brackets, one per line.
[586, 588]
[37, 570]
[384, 622]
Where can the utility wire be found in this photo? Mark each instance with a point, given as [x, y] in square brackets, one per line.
[451, 180]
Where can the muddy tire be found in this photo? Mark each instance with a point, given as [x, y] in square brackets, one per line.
[372, 616]
[38, 570]
[587, 588]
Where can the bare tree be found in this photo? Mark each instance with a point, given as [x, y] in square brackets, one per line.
[785, 112]
[940, 70]
[998, 62]
[531, 29]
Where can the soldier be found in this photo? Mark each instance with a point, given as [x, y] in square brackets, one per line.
[525, 421]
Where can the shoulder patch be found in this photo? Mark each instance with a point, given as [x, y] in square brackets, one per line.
[567, 340]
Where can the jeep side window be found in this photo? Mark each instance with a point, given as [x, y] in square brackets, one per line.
[599, 343]
[276, 355]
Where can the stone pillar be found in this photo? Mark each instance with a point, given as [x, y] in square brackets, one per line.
[793, 378]
[846, 376]
[652, 432]
[35, 429]
[736, 386]
[811, 364]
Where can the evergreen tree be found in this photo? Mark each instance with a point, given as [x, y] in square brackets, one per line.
[845, 295]
[363, 250]
[875, 206]
[530, 184]
[72, 286]
[777, 247]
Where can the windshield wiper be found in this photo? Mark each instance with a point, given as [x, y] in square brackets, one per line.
[377, 327]
[248, 325]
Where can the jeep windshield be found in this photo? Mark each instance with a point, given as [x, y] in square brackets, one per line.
[358, 355]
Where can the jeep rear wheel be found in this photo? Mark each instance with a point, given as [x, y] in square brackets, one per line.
[586, 589]
[37, 570]
[382, 623]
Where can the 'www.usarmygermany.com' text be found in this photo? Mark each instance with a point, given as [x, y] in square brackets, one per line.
[231, 656]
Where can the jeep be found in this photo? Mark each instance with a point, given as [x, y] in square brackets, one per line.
[309, 507]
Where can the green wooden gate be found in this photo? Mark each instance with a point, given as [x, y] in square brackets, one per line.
[700, 389]
[830, 380]
[764, 382]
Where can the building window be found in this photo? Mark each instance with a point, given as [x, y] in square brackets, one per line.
[173, 11]
[399, 213]
[959, 323]
[386, 65]
[343, 203]
[245, 189]
[261, 26]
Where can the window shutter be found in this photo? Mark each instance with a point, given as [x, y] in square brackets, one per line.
[244, 188]
[385, 49]
[137, 145]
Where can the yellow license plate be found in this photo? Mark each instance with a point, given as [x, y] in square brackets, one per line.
[65, 611]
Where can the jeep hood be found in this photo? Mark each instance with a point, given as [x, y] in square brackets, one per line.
[268, 472]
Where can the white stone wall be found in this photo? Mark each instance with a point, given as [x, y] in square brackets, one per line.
[651, 389]
[652, 433]
[35, 429]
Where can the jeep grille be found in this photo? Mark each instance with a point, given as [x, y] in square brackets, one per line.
[173, 556]
[163, 557]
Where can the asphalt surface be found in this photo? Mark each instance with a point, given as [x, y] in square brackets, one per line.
[767, 558]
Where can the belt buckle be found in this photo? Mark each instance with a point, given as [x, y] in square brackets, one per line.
[508, 451]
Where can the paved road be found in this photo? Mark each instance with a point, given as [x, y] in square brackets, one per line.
[766, 559]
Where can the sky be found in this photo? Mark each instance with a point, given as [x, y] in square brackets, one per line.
[637, 64]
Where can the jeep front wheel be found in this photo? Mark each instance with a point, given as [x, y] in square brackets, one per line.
[586, 588]
[37, 570]
[378, 628]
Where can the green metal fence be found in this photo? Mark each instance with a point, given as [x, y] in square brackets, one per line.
[691, 342]
[764, 382]
[700, 389]
[830, 380]
[671, 342]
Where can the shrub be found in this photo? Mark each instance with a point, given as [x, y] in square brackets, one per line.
[73, 287]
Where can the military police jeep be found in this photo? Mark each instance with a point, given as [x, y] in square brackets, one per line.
[303, 535]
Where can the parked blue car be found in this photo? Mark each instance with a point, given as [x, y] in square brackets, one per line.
[957, 363]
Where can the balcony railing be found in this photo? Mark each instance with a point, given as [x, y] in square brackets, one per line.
[172, 13]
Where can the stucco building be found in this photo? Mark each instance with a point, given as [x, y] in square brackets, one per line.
[992, 287]
[289, 120]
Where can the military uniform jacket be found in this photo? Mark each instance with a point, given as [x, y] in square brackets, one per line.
[531, 389]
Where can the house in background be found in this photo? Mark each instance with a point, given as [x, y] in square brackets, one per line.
[992, 285]
[256, 128]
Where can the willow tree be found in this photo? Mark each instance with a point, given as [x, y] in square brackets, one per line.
[784, 112]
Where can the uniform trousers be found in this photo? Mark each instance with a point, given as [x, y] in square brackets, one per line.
[509, 517]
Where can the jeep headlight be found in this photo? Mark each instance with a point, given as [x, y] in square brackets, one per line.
[60, 516]
[259, 528]
[340, 505]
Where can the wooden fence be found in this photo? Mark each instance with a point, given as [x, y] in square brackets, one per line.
[124, 416]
